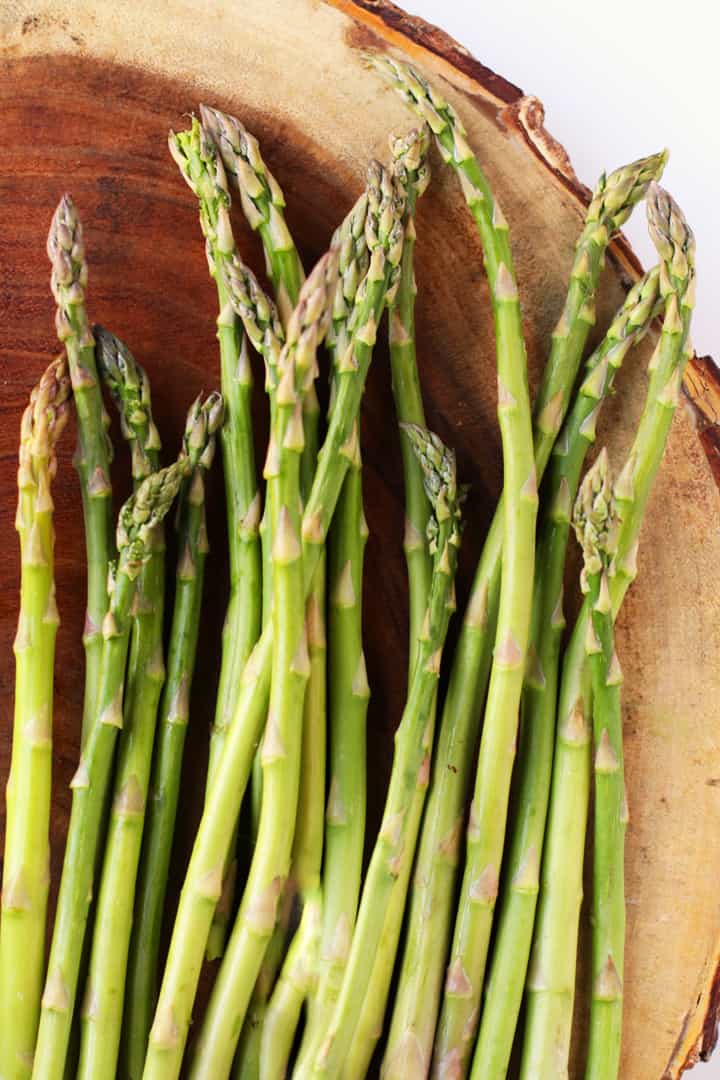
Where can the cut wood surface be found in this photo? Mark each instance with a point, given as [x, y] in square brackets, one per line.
[88, 92]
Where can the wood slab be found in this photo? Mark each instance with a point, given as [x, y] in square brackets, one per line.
[87, 94]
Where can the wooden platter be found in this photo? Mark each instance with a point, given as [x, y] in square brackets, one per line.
[87, 94]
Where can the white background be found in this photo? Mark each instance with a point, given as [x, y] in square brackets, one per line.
[618, 79]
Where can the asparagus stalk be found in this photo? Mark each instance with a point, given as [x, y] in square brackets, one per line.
[595, 523]
[613, 200]
[202, 168]
[348, 686]
[413, 746]
[26, 872]
[277, 1025]
[203, 879]
[551, 978]
[137, 523]
[486, 830]
[105, 990]
[263, 204]
[281, 747]
[413, 171]
[306, 969]
[262, 201]
[68, 281]
[519, 898]
[173, 720]
[264, 330]
[410, 166]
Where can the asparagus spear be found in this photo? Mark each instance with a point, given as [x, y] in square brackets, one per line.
[595, 522]
[519, 898]
[612, 202]
[410, 158]
[137, 523]
[68, 281]
[202, 168]
[410, 166]
[413, 746]
[27, 848]
[262, 201]
[281, 747]
[203, 422]
[492, 785]
[105, 990]
[551, 979]
[203, 880]
[311, 955]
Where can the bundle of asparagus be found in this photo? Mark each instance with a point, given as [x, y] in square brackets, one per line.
[309, 949]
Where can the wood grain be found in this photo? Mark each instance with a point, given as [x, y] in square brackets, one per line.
[87, 95]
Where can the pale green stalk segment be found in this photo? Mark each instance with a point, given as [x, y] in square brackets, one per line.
[26, 860]
[68, 281]
[201, 166]
[204, 876]
[299, 972]
[402, 1053]
[137, 523]
[518, 899]
[411, 763]
[551, 974]
[282, 743]
[551, 980]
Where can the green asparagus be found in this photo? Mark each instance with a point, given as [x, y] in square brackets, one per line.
[137, 524]
[204, 420]
[518, 898]
[66, 252]
[105, 990]
[551, 977]
[412, 170]
[595, 522]
[262, 201]
[201, 166]
[26, 861]
[413, 748]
